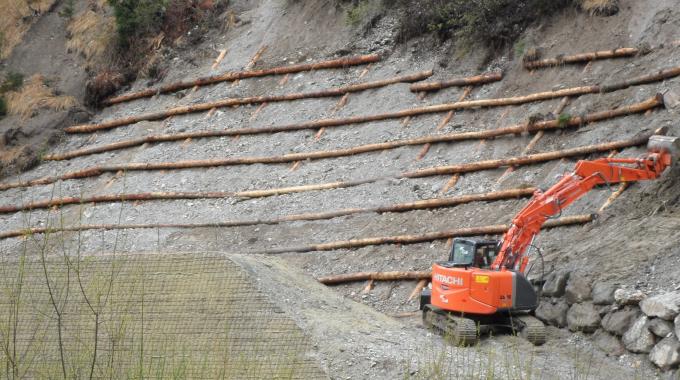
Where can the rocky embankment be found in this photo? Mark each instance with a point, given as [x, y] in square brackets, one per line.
[620, 320]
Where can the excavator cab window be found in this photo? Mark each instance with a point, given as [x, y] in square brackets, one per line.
[462, 253]
[473, 253]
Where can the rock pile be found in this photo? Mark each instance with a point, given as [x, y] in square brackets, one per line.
[620, 319]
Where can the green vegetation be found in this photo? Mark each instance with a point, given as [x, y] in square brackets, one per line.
[68, 10]
[519, 48]
[137, 18]
[13, 81]
[563, 119]
[492, 22]
[359, 11]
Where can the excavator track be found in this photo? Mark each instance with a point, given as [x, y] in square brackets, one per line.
[462, 331]
[530, 328]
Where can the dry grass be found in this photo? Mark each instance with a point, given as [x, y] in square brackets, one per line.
[35, 95]
[17, 18]
[600, 7]
[92, 34]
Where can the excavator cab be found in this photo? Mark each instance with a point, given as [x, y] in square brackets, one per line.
[477, 253]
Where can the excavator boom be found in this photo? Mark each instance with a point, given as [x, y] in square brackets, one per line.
[662, 151]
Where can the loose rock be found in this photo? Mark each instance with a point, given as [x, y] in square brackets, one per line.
[665, 306]
[608, 343]
[603, 293]
[671, 99]
[660, 328]
[666, 354]
[620, 321]
[638, 338]
[556, 283]
[583, 317]
[578, 290]
[628, 297]
[553, 313]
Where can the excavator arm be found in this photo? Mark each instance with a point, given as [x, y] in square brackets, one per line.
[586, 175]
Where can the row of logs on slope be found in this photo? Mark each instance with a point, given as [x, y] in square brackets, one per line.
[426, 204]
[641, 139]
[651, 103]
[230, 102]
[422, 238]
[233, 76]
[439, 108]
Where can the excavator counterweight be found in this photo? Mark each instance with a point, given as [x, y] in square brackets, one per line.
[483, 283]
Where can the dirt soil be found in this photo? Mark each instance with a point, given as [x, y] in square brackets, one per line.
[43, 52]
[634, 242]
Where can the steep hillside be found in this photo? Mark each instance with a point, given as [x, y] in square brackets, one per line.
[203, 207]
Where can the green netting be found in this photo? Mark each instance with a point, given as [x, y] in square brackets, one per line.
[155, 316]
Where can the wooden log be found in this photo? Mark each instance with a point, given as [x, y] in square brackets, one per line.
[580, 58]
[529, 159]
[418, 289]
[232, 76]
[458, 82]
[427, 237]
[656, 101]
[399, 207]
[230, 102]
[640, 80]
[374, 276]
[439, 170]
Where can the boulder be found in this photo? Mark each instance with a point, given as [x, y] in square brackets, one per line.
[665, 306]
[671, 100]
[578, 290]
[556, 283]
[583, 317]
[603, 293]
[553, 313]
[628, 296]
[638, 338]
[660, 327]
[608, 343]
[618, 322]
[666, 354]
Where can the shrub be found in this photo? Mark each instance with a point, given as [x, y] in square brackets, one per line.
[599, 7]
[3, 106]
[68, 10]
[492, 22]
[12, 82]
[136, 18]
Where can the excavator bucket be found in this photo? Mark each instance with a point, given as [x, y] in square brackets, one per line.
[665, 144]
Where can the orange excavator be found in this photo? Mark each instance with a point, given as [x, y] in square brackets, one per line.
[483, 286]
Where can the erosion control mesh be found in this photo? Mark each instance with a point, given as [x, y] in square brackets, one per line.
[143, 316]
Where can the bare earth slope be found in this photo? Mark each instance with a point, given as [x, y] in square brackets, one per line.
[633, 242]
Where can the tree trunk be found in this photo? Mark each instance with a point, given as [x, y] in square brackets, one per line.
[413, 239]
[580, 58]
[458, 82]
[375, 276]
[229, 77]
